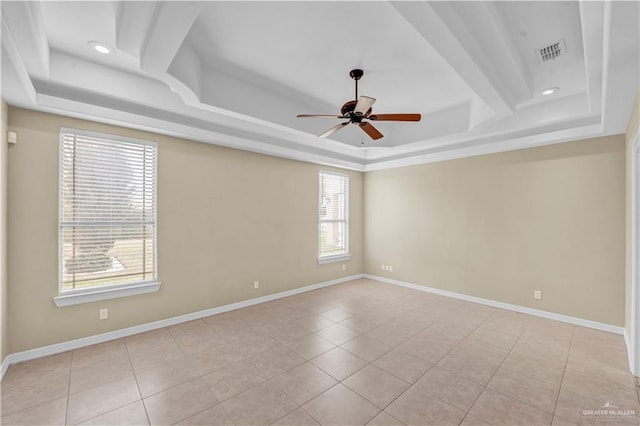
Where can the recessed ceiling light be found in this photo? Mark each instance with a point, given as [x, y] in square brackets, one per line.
[100, 47]
[550, 91]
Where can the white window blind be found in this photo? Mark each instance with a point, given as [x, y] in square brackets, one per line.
[107, 211]
[334, 214]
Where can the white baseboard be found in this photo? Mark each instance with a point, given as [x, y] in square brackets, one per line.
[522, 309]
[117, 334]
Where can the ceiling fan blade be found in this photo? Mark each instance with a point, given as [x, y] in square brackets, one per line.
[364, 104]
[319, 116]
[395, 117]
[371, 131]
[333, 129]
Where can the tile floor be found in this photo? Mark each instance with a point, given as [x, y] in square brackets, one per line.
[358, 353]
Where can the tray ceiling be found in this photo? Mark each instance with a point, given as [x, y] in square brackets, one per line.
[237, 73]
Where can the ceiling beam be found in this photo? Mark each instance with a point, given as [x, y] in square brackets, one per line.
[171, 24]
[133, 20]
[441, 26]
[25, 22]
[591, 22]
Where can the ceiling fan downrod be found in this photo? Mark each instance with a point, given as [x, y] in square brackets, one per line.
[356, 74]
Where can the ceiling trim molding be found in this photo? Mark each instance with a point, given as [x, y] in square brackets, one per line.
[105, 115]
[569, 135]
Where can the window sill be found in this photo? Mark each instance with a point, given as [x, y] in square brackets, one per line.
[105, 294]
[336, 258]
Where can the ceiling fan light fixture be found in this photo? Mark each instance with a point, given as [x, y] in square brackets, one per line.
[100, 47]
[550, 91]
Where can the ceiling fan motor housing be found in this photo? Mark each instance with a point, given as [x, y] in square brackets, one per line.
[347, 111]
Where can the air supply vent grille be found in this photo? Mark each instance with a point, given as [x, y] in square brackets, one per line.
[551, 51]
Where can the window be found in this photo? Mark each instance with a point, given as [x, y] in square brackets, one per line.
[333, 217]
[107, 217]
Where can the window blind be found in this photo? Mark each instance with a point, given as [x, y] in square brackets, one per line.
[107, 211]
[333, 214]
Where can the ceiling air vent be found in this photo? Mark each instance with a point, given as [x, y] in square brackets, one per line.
[551, 51]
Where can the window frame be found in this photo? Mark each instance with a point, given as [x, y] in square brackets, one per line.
[342, 256]
[110, 291]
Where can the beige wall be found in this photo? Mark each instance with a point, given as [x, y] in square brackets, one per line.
[3, 231]
[632, 130]
[499, 226]
[225, 218]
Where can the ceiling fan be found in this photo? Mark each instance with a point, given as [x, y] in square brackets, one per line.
[359, 112]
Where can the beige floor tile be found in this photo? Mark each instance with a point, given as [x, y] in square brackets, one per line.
[179, 403]
[132, 414]
[151, 339]
[164, 377]
[364, 323]
[297, 417]
[606, 370]
[214, 416]
[395, 332]
[49, 413]
[477, 361]
[508, 322]
[542, 328]
[87, 376]
[213, 359]
[521, 358]
[429, 347]
[147, 357]
[314, 322]
[339, 363]
[261, 405]
[491, 336]
[337, 334]
[450, 388]
[384, 419]
[337, 314]
[341, 406]
[100, 353]
[403, 365]
[304, 382]
[571, 406]
[27, 390]
[193, 344]
[233, 379]
[376, 385]
[599, 389]
[537, 393]
[526, 366]
[253, 346]
[101, 399]
[276, 361]
[559, 421]
[498, 409]
[556, 351]
[415, 407]
[311, 346]
[51, 365]
[473, 421]
[289, 333]
[367, 348]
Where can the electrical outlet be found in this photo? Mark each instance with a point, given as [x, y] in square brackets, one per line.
[537, 294]
[104, 313]
[256, 284]
[344, 267]
[390, 268]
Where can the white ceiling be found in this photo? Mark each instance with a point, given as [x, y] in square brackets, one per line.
[237, 73]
